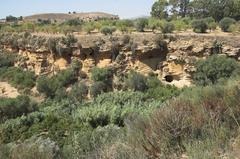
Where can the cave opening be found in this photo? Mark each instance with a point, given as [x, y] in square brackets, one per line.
[169, 78]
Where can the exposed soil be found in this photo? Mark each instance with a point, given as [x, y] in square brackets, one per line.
[6, 90]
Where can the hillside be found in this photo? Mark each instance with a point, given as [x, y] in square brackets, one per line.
[93, 86]
[60, 17]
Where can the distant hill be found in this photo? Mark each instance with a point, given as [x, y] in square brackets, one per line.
[60, 17]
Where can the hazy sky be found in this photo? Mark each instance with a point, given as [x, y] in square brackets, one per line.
[123, 8]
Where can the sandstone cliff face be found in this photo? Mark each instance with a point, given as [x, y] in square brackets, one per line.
[171, 59]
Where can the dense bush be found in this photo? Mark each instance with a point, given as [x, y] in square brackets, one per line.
[135, 81]
[225, 24]
[88, 28]
[79, 92]
[126, 39]
[167, 27]
[73, 22]
[12, 108]
[199, 26]
[101, 74]
[97, 88]
[49, 86]
[199, 115]
[214, 69]
[140, 24]
[211, 23]
[7, 60]
[18, 77]
[107, 30]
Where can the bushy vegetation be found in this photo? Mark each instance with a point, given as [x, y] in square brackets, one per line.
[18, 77]
[12, 108]
[102, 81]
[7, 60]
[225, 24]
[199, 26]
[107, 30]
[140, 24]
[50, 85]
[123, 115]
[215, 69]
[167, 27]
[135, 81]
[200, 117]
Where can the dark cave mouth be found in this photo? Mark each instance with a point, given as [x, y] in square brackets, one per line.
[169, 78]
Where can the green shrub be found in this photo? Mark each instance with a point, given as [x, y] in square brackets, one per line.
[199, 26]
[49, 86]
[97, 88]
[181, 24]
[74, 22]
[234, 27]
[79, 92]
[209, 20]
[213, 69]
[115, 49]
[198, 115]
[46, 86]
[52, 43]
[212, 26]
[135, 81]
[107, 30]
[217, 47]
[225, 24]
[126, 39]
[167, 27]
[140, 24]
[124, 25]
[69, 40]
[101, 74]
[7, 60]
[154, 24]
[89, 27]
[114, 107]
[18, 77]
[12, 108]
[160, 43]
[36, 148]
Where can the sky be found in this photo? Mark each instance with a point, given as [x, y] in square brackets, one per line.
[123, 8]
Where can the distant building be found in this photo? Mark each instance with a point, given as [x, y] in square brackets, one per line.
[2, 21]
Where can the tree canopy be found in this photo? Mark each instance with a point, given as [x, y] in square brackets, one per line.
[218, 9]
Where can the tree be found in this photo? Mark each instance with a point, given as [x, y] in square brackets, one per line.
[180, 7]
[216, 8]
[11, 18]
[159, 9]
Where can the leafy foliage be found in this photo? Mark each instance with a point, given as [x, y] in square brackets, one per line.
[12, 108]
[225, 24]
[140, 24]
[167, 27]
[214, 69]
[18, 77]
[199, 26]
[135, 81]
[107, 30]
[49, 86]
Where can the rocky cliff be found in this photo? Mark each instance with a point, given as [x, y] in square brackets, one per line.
[171, 57]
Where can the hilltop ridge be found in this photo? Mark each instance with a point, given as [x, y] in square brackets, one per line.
[85, 16]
